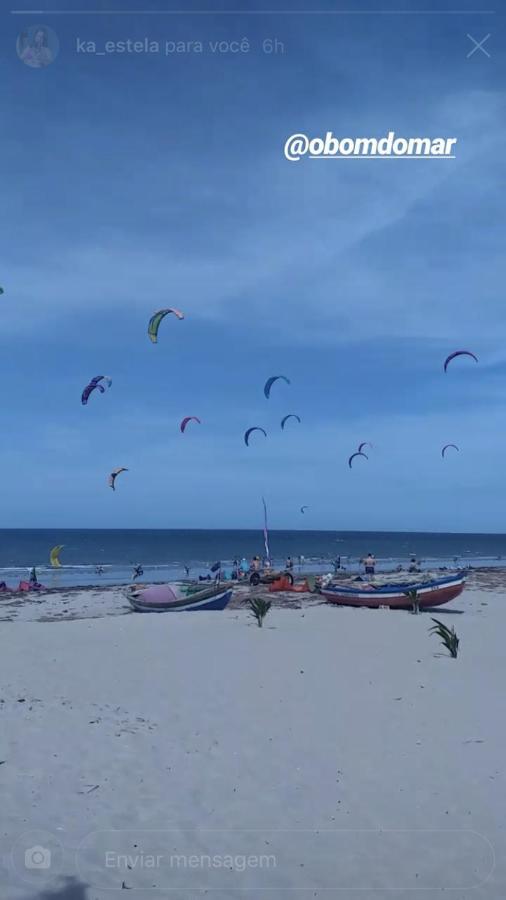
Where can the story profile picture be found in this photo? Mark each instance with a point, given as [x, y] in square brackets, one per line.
[37, 46]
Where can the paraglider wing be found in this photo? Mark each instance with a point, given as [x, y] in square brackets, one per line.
[54, 556]
[303, 508]
[289, 416]
[364, 444]
[353, 455]
[185, 421]
[250, 431]
[157, 317]
[458, 353]
[445, 448]
[270, 381]
[114, 474]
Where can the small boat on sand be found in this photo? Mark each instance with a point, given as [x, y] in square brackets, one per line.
[168, 598]
[393, 590]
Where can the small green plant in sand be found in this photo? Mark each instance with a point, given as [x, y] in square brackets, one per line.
[414, 600]
[448, 637]
[259, 609]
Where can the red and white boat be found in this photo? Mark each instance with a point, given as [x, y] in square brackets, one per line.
[393, 591]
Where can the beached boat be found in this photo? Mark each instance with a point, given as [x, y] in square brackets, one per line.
[392, 591]
[163, 598]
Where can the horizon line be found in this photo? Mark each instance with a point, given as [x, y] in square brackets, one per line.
[254, 12]
[336, 531]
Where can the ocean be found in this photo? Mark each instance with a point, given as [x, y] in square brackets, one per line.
[164, 554]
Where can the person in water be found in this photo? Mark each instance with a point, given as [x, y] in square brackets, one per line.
[137, 572]
[33, 576]
[289, 564]
[414, 565]
[369, 564]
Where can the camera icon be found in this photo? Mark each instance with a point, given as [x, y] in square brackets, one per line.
[37, 857]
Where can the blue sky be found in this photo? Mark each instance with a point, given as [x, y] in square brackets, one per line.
[136, 182]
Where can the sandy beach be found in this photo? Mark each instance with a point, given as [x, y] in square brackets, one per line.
[334, 751]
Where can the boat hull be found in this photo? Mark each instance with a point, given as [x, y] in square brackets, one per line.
[434, 593]
[199, 601]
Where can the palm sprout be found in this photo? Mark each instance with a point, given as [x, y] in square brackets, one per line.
[448, 637]
[259, 609]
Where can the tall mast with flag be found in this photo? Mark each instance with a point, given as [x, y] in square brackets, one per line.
[266, 534]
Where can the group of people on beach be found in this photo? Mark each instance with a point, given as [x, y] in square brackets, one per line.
[241, 568]
[369, 564]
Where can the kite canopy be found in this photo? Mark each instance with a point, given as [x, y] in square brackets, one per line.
[114, 474]
[303, 508]
[250, 431]
[185, 421]
[289, 416]
[98, 378]
[94, 385]
[85, 396]
[353, 455]
[54, 555]
[1, 290]
[270, 381]
[157, 317]
[364, 444]
[445, 448]
[458, 353]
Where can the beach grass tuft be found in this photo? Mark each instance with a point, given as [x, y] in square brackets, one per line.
[448, 637]
[259, 609]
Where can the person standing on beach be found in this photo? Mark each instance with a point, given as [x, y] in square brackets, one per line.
[369, 564]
